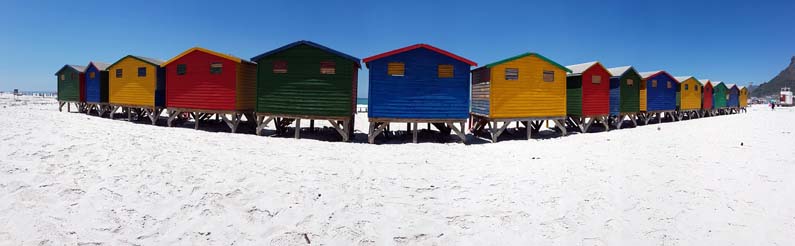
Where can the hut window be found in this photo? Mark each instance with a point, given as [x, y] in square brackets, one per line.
[549, 76]
[118, 73]
[445, 71]
[279, 67]
[63, 77]
[396, 69]
[216, 67]
[181, 69]
[596, 79]
[328, 67]
[654, 83]
[141, 72]
[669, 84]
[92, 75]
[630, 82]
[695, 88]
[511, 74]
[686, 87]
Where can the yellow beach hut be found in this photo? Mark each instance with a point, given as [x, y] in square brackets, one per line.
[689, 97]
[137, 86]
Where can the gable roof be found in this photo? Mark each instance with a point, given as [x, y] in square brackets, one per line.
[75, 67]
[101, 66]
[310, 43]
[152, 61]
[715, 83]
[646, 75]
[683, 78]
[184, 53]
[731, 85]
[417, 46]
[582, 67]
[620, 71]
[524, 55]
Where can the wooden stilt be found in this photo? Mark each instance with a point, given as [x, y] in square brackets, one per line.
[529, 130]
[414, 133]
[311, 125]
[297, 128]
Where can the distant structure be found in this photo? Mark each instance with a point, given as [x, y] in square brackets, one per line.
[785, 98]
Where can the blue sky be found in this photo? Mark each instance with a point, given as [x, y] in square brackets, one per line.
[734, 41]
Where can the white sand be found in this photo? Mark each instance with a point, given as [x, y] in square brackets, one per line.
[67, 178]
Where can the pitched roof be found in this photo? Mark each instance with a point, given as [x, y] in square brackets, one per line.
[683, 78]
[524, 55]
[646, 75]
[620, 71]
[101, 66]
[153, 61]
[730, 86]
[714, 83]
[230, 57]
[310, 43]
[417, 46]
[75, 67]
[580, 68]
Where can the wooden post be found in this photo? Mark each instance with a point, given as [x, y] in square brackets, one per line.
[68, 107]
[414, 133]
[408, 126]
[311, 125]
[196, 120]
[529, 129]
[297, 128]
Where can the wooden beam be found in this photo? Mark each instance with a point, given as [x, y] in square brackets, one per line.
[458, 132]
[414, 133]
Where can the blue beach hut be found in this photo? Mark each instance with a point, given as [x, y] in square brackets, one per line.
[418, 84]
[658, 95]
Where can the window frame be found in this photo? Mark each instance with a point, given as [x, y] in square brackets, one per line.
[216, 68]
[141, 69]
[654, 83]
[630, 82]
[182, 69]
[544, 74]
[393, 73]
[687, 87]
[439, 71]
[279, 67]
[119, 73]
[328, 67]
[63, 77]
[514, 71]
[596, 79]
[92, 75]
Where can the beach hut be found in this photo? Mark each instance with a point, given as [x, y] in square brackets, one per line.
[689, 101]
[205, 83]
[71, 83]
[657, 95]
[706, 98]
[719, 97]
[418, 84]
[624, 94]
[733, 98]
[137, 86]
[527, 88]
[306, 80]
[588, 95]
[743, 98]
[97, 88]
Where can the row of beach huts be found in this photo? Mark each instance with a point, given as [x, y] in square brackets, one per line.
[418, 84]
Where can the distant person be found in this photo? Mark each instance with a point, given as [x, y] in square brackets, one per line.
[772, 106]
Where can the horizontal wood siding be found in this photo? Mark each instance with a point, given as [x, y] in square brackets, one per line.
[615, 95]
[743, 97]
[689, 98]
[574, 95]
[643, 96]
[246, 86]
[706, 96]
[132, 89]
[69, 88]
[304, 90]
[661, 98]
[530, 95]
[197, 88]
[481, 96]
[719, 96]
[733, 100]
[420, 93]
[630, 94]
[596, 97]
